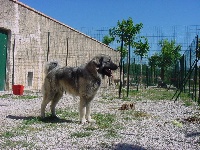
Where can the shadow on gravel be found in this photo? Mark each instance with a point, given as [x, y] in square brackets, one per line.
[126, 146]
[193, 134]
[49, 119]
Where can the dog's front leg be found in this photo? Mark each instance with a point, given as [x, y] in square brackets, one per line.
[82, 110]
[88, 112]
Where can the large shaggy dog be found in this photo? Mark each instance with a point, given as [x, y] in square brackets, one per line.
[83, 81]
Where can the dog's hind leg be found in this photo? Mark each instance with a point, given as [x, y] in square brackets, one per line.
[45, 101]
[54, 102]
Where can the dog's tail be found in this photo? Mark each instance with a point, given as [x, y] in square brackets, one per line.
[50, 66]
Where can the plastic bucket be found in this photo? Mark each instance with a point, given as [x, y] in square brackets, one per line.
[18, 89]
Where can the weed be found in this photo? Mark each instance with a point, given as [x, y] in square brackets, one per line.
[177, 123]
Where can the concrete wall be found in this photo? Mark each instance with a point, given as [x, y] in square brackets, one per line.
[35, 37]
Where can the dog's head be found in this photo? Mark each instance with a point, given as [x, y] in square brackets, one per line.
[104, 65]
[50, 66]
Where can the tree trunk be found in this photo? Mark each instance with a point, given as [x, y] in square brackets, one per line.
[162, 74]
[120, 84]
[128, 69]
[141, 70]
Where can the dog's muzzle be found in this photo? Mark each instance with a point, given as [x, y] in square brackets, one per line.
[107, 70]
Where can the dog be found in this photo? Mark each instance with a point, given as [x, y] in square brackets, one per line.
[83, 81]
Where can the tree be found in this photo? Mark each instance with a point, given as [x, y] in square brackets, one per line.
[125, 32]
[153, 63]
[107, 40]
[124, 51]
[141, 49]
[170, 53]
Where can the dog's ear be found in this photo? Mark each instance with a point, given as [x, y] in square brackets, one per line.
[97, 61]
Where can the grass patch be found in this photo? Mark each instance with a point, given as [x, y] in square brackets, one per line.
[177, 123]
[65, 113]
[134, 92]
[32, 120]
[104, 121]
[157, 94]
[9, 144]
[81, 134]
[111, 133]
[7, 134]
[90, 128]
[26, 97]
[5, 95]
[134, 115]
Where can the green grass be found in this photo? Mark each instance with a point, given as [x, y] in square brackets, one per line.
[134, 115]
[111, 133]
[7, 134]
[19, 96]
[5, 95]
[65, 113]
[32, 120]
[81, 134]
[177, 123]
[9, 144]
[26, 97]
[107, 122]
[104, 121]
[157, 94]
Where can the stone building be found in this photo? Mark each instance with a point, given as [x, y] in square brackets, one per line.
[28, 39]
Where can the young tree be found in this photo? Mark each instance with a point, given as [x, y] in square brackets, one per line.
[153, 63]
[141, 49]
[170, 53]
[125, 32]
[124, 51]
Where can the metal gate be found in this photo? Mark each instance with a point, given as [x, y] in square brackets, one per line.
[3, 57]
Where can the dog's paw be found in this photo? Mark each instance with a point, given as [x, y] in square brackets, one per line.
[91, 121]
[83, 121]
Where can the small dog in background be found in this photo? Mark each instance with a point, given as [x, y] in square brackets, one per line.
[83, 81]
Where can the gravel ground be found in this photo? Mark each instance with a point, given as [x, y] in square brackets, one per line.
[159, 125]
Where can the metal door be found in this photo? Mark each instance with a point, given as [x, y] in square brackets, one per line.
[3, 57]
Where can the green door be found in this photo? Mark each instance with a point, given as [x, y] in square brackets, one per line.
[3, 56]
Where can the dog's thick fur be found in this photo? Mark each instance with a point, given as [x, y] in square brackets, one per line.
[83, 81]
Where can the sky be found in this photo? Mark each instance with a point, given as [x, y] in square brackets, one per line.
[106, 13]
[159, 17]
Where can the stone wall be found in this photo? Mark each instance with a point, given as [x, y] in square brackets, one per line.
[35, 38]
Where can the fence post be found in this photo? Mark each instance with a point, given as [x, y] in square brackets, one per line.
[147, 76]
[48, 45]
[67, 51]
[190, 67]
[13, 69]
